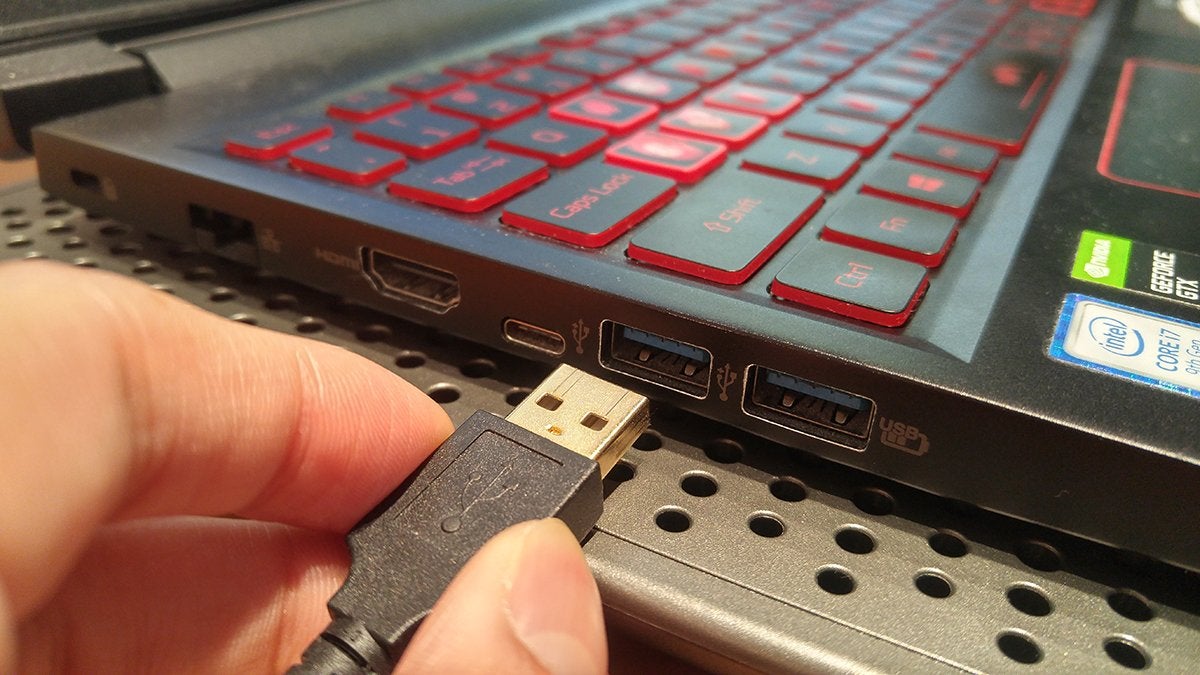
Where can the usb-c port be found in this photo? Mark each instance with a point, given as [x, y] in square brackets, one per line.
[534, 337]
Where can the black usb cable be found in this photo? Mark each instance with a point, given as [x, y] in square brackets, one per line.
[547, 458]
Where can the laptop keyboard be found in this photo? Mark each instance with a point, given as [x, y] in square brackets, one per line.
[587, 133]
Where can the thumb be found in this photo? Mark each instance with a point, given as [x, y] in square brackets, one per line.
[525, 603]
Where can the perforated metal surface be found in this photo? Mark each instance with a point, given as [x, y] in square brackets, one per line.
[729, 551]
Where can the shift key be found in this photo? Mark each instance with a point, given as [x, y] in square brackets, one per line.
[725, 230]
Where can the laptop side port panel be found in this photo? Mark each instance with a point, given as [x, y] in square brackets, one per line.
[808, 407]
[407, 280]
[654, 358]
[224, 234]
[534, 337]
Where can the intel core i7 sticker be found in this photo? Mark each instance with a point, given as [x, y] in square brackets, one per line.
[1136, 266]
[1129, 343]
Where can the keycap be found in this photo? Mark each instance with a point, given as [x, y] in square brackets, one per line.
[812, 61]
[824, 165]
[720, 49]
[916, 69]
[345, 161]
[786, 79]
[590, 205]
[365, 106]
[994, 99]
[735, 130]
[859, 134]
[570, 39]
[424, 85]
[724, 232]
[977, 160]
[469, 180]
[852, 282]
[611, 113]
[477, 69]
[419, 133]
[558, 143]
[640, 49]
[894, 229]
[491, 107]
[749, 98]
[665, 32]
[945, 191]
[760, 38]
[644, 85]
[685, 159]
[592, 64]
[542, 82]
[704, 71]
[522, 54]
[864, 106]
[273, 140]
[698, 18]
[899, 88]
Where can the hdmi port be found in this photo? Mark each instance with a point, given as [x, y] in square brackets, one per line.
[415, 283]
[808, 407]
[662, 360]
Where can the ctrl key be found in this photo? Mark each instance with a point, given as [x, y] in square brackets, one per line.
[851, 282]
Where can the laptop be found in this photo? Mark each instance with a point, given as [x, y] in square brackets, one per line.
[950, 242]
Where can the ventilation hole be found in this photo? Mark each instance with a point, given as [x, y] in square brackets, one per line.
[947, 543]
[549, 402]
[1029, 599]
[1019, 647]
[59, 227]
[375, 332]
[94, 216]
[724, 451]
[12, 211]
[18, 241]
[410, 360]
[85, 262]
[34, 255]
[477, 368]
[934, 584]
[282, 301]
[673, 520]
[222, 294]
[444, 393]
[648, 442]
[621, 472]
[310, 324]
[855, 539]
[1127, 652]
[127, 248]
[49, 199]
[200, 273]
[1039, 555]
[835, 580]
[113, 230]
[1130, 605]
[18, 224]
[514, 397]
[242, 317]
[144, 267]
[699, 485]
[72, 243]
[874, 501]
[766, 525]
[788, 490]
[57, 211]
[181, 251]
[165, 288]
[594, 422]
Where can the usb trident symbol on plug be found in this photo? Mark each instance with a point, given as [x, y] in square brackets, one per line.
[496, 488]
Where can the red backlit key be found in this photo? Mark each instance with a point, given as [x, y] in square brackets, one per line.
[852, 282]
[815, 62]
[592, 64]
[704, 71]
[733, 129]
[977, 160]
[865, 106]
[953, 193]
[558, 143]
[759, 38]
[891, 228]
[617, 115]
[424, 85]
[899, 88]
[824, 165]
[489, 106]
[522, 54]
[916, 69]
[670, 33]
[702, 20]
[646, 86]
[366, 106]
[684, 159]
[570, 39]
[639, 49]
[345, 161]
[590, 205]
[748, 98]
[727, 51]
[725, 233]
[276, 139]
[477, 69]
[469, 180]
[542, 82]
[419, 133]
[786, 79]
[859, 134]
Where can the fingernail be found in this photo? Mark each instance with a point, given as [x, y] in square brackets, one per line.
[554, 605]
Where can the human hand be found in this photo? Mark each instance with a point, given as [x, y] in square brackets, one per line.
[132, 426]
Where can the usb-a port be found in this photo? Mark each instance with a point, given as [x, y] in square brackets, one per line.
[807, 406]
[654, 358]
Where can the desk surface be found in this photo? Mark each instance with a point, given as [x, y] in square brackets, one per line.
[722, 549]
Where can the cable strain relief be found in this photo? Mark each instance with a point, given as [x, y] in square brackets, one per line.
[345, 647]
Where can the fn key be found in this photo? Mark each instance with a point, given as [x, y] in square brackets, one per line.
[851, 282]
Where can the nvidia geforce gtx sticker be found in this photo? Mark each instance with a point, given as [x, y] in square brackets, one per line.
[1137, 266]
